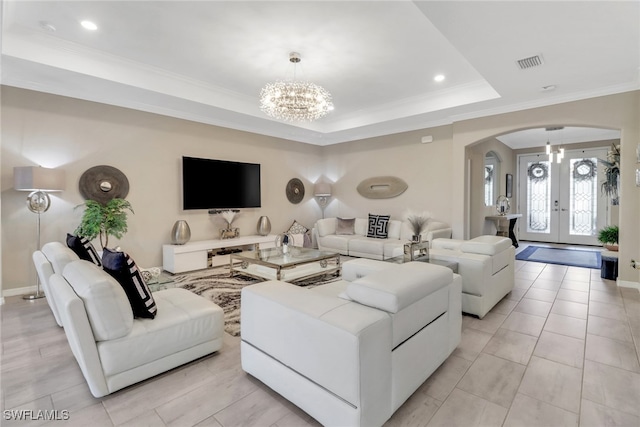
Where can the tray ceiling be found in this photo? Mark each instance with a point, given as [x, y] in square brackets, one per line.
[206, 61]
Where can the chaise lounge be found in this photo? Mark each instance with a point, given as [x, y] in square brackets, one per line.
[114, 349]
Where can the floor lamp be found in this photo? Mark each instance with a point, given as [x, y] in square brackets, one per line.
[322, 192]
[38, 181]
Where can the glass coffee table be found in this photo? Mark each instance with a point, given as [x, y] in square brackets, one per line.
[291, 264]
[160, 282]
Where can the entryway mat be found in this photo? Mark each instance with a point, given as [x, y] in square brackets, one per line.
[561, 256]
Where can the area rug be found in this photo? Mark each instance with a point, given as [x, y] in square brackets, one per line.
[216, 285]
[562, 256]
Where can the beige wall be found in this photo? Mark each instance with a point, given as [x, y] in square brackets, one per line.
[424, 167]
[75, 135]
[53, 131]
[477, 209]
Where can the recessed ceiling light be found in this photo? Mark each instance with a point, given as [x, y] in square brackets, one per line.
[89, 25]
[439, 78]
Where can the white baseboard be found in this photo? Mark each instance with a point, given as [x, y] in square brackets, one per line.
[18, 291]
[628, 284]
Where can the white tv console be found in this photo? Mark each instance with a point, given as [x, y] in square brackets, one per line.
[195, 255]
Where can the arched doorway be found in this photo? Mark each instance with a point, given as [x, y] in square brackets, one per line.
[560, 201]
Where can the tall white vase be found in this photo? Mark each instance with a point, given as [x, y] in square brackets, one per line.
[180, 233]
[264, 226]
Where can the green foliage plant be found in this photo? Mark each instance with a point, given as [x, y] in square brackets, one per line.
[104, 220]
[608, 234]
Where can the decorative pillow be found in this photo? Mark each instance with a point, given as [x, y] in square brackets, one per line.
[297, 228]
[124, 269]
[84, 249]
[346, 226]
[378, 227]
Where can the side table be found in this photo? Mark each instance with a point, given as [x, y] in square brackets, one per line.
[419, 251]
[512, 218]
[415, 250]
[609, 267]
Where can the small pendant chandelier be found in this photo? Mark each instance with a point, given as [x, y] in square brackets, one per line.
[295, 100]
[559, 155]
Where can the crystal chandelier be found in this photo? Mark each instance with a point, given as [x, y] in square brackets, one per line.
[295, 100]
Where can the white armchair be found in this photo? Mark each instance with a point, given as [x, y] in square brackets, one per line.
[350, 353]
[486, 264]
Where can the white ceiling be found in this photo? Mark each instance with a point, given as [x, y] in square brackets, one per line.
[206, 61]
[564, 136]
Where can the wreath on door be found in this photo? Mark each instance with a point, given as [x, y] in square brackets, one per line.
[584, 170]
[538, 172]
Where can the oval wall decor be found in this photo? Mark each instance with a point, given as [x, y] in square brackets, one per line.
[382, 187]
[295, 190]
[103, 183]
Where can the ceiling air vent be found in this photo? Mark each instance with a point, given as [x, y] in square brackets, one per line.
[530, 62]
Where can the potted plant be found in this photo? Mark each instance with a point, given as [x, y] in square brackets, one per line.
[104, 220]
[608, 236]
[417, 223]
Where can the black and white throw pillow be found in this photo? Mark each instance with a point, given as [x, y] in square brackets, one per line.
[378, 227]
[83, 248]
[297, 228]
[124, 269]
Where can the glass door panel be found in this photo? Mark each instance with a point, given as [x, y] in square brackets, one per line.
[538, 201]
[561, 202]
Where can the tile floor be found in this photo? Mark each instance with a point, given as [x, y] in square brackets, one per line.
[560, 350]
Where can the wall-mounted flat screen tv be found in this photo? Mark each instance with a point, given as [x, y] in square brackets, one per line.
[219, 184]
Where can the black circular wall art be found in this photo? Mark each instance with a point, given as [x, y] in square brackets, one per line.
[295, 191]
[103, 183]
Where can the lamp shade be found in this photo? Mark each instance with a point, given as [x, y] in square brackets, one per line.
[322, 189]
[33, 178]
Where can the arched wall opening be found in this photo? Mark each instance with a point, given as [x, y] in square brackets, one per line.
[609, 112]
[506, 148]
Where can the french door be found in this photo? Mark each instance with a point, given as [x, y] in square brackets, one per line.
[562, 202]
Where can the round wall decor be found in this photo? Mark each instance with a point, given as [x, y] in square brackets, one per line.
[295, 190]
[103, 183]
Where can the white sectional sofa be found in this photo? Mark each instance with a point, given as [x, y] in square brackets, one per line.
[486, 264]
[351, 352]
[114, 349]
[53, 258]
[359, 245]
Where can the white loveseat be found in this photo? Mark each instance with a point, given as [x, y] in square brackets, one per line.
[351, 352]
[114, 349]
[359, 245]
[486, 264]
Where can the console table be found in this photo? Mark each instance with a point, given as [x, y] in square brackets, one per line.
[195, 255]
[512, 218]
